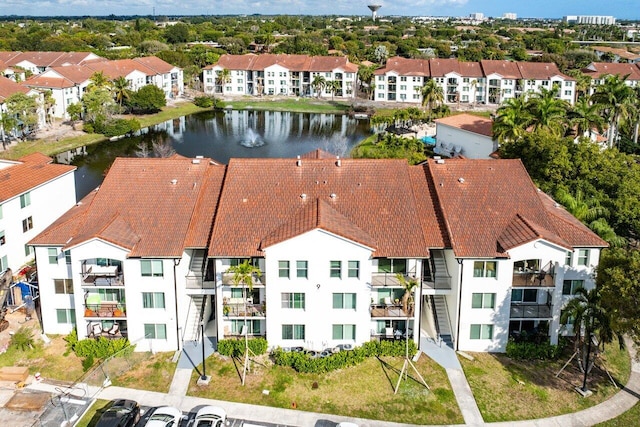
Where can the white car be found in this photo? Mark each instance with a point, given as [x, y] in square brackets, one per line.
[165, 416]
[210, 416]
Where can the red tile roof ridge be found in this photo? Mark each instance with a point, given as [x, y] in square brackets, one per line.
[441, 206]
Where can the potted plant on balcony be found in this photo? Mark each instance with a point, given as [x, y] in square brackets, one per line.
[226, 310]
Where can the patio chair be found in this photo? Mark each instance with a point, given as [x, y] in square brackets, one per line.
[114, 329]
[96, 330]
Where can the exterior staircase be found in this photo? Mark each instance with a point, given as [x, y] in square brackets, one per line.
[194, 317]
[442, 278]
[441, 317]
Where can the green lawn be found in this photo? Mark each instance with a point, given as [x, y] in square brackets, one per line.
[508, 390]
[363, 391]
[297, 105]
[92, 415]
[148, 371]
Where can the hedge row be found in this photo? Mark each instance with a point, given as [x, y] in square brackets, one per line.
[235, 347]
[532, 351]
[303, 362]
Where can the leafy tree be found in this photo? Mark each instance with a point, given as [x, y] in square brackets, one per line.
[75, 113]
[148, 99]
[432, 95]
[511, 120]
[98, 105]
[616, 99]
[547, 112]
[365, 77]
[178, 33]
[585, 116]
[98, 81]
[24, 109]
[152, 47]
[121, 89]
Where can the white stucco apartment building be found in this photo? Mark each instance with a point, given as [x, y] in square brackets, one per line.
[33, 194]
[150, 250]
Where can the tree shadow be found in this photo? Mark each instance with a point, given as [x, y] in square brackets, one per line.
[387, 369]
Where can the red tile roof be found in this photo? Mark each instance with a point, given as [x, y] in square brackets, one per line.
[505, 69]
[470, 123]
[291, 62]
[8, 87]
[156, 64]
[28, 173]
[40, 81]
[540, 71]
[599, 69]
[405, 67]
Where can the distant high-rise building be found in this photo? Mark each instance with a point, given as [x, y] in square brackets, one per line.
[590, 19]
[477, 16]
[509, 15]
[374, 10]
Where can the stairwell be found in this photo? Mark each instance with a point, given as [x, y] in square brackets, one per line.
[442, 278]
[441, 317]
[194, 317]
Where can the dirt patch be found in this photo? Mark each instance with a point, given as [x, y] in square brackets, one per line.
[23, 400]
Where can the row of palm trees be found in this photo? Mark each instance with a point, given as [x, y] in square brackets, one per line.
[613, 105]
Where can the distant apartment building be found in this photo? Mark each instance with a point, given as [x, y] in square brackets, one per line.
[281, 74]
[598, 71]
[484, 82]
[589, 19]
[510, 15]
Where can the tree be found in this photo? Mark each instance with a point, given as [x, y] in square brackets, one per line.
[616, 100]
[381, 53]
[148, 99]
[334, 87]
[590, 321]
[98, 81]
[121, 89]
[222, 78]
[432, 96]
[24, 109]
[511, 120]
[244, 275]
[365, 77]
[318, 84]
[75, 113]
[178, 33]
[98, 106]
[618, 278]
[48, 103]
[547, 112]
[585, 116]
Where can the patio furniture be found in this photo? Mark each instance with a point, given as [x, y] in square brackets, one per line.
[96, 330]
[114, 329]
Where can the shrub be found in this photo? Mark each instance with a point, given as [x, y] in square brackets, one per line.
[22, 339]
[532, 351]
[303, 362]
[203, 101]
[235, 347]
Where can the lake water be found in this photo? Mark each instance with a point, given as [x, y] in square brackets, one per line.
[222, 135]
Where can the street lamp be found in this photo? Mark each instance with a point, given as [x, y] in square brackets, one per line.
[204, 374]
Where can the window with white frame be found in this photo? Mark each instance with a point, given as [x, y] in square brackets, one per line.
[156, 331]
[52, 254]
[4, 263]
[481, 332]
[583, 256]
[66, 316]
[293, 332]
[63, 286]
[335, 269]
[485, 269]
[153, 300]
[483, 300]
[293, 300]
[151, 268]
[28, 250]
[25, 200]
[283, 269]
[344, 332]
[568, 259]
[302, 269]
[253, 327]
[354, 269]
[344, 301]
[67, 257]
[569, 287]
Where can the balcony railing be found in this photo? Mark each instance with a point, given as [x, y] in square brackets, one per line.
[385, 310]
[385, 279]
[530, 311]
[239, 310]
[199, 282]
[101, 275]
[105, 309]
[533, 279]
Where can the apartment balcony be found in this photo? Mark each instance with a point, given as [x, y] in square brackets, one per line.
[240, 309]
[530, 311]
[385, 279]
[99, 275]
[227, 280]
[437, 284]
[532, 279]
[199, 282]
[389, 310]
[105, 309]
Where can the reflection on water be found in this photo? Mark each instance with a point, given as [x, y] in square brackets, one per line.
[221, 136]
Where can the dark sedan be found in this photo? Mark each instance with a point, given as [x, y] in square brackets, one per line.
[120, 413]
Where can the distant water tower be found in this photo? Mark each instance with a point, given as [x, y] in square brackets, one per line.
[374, 9]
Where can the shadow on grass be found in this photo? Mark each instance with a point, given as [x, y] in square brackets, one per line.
[387, 369]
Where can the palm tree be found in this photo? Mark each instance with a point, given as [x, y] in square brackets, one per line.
[548, 112]
[511, 120]
[432, 95]
[616, 100]
[244, 275]
[590, 321]
[366, 77]
[334, 87]
[585, 116]
[98, 81]
[318, 84]
[223, 77]
[121, 89]
[474, 85]
[583, 82]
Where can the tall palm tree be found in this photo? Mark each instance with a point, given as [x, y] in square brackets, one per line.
[583, 82]
[318, 84]
[590, 321]
[334, 87]
[511, 120]
[585, 116]
[366, 77]
[548, 112]
[616, 100]
[244, 275]
[432, 95]
[223, 77]
[121, 89]
[98, 81]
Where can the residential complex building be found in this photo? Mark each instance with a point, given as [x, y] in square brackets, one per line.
[34, 193]
[465, 135]
[7, 88]
[281, 74]
[483, 82]
[37, 62]
[598, 71]
[150, 252]
[590, 19]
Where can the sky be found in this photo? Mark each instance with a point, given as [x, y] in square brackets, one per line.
[626, 9]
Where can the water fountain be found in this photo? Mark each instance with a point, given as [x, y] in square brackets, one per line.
[252, 139]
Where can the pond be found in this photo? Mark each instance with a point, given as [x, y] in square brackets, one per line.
[221, 135]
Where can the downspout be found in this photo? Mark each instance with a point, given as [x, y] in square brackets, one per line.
[459, 303]
[176, 263]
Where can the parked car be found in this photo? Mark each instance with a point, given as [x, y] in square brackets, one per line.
[210, 416]
[346, 424]
[165, 416]
[120, 413]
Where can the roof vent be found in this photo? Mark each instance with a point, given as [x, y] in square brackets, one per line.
[174, 181]
[338, 163]
[440, 161]
[556, 204]
[436, 157]
[333, 195]
[298, 162]
[461, 180]
[195, 161]
[303, 196]
[199, 157]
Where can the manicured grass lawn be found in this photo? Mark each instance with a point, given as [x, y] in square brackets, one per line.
[508, 390]
[148, 372]
[363, 391]
[629, 418]
[88, 419]
[297, 105]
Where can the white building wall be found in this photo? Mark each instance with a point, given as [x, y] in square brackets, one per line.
[48, 202]
[318, 248]
[276, 80]
[474, 145]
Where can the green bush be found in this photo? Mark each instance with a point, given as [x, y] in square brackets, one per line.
[532, 351]
[101, 348]
[303, 362]
[22, 339]
[235, 347]
[203, 101]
